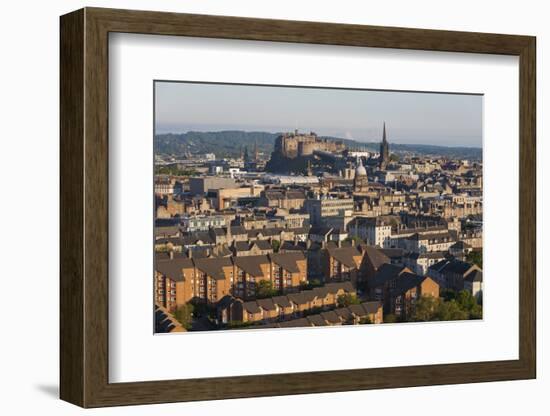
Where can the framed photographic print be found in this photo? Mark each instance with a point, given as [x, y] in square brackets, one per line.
[256, 207]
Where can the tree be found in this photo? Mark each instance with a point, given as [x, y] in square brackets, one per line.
[475, 257]
[425, 309]
[184, 315]
[310, 284]
[469, 304]
[264, 289]
[466, 300]
[451, 311]
[476, 312]
[276, 244]
[347, 299]
[365, 320]
[447, 294]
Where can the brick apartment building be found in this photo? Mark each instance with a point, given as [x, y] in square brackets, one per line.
[180, 280]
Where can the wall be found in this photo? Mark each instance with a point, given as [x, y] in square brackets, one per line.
[29, 134]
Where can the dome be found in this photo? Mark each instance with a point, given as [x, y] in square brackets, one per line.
[360, 170]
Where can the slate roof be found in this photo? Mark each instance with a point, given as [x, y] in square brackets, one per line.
[371, 307]
[251, 307]
[456, 266]
[293, 246]
[172, 268]
[407, 282]
[298, 298]
[241, 245]
[288, 261]
[213, 266]
[301, 322]
[238, 230]
[474, 276]
[331, 317]
[220, 232]
[266, 304]
[263, 245]
[167, 230]
[165, 322]
[430, 255]
[386, 273]
[345, 255]
[438, 267]
[251, 264]
[299, 230]
[176, 241]
[196, 238]
[376, 256]
[164, 255]
[343, 313]
[336, 286]
[282, 301]
[432, 236]
[358, 310]
[316, 320]
[461, 245]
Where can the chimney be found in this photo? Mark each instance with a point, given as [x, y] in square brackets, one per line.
[308, 243]
[339, 243]
[190, 253]
[171, 254]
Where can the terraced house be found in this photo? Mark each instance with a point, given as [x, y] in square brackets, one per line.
[282, 308]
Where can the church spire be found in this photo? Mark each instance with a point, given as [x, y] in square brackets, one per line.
[384, 150]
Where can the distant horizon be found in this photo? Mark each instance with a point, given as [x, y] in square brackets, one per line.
[373, 141]
[430, 118]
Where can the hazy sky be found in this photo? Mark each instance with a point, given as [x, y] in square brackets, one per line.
[424, 118]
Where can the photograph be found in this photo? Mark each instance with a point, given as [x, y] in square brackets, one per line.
[282, 206]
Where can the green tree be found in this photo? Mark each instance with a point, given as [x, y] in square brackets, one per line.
[365, 320]
[466, 300]
[276, 245]
[447, 294]
[476, 312]
[310, 284]
[347, 299]
[469, 304]
[264, 289]
[425, 309]
[475, 257]
[451, 311]
[184, 315]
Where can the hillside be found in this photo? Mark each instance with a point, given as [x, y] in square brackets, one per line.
[230, 143]
[221, 143]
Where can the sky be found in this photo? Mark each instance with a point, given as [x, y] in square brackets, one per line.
[410, 117]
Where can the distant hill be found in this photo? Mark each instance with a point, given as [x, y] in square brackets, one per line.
[230, 143]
